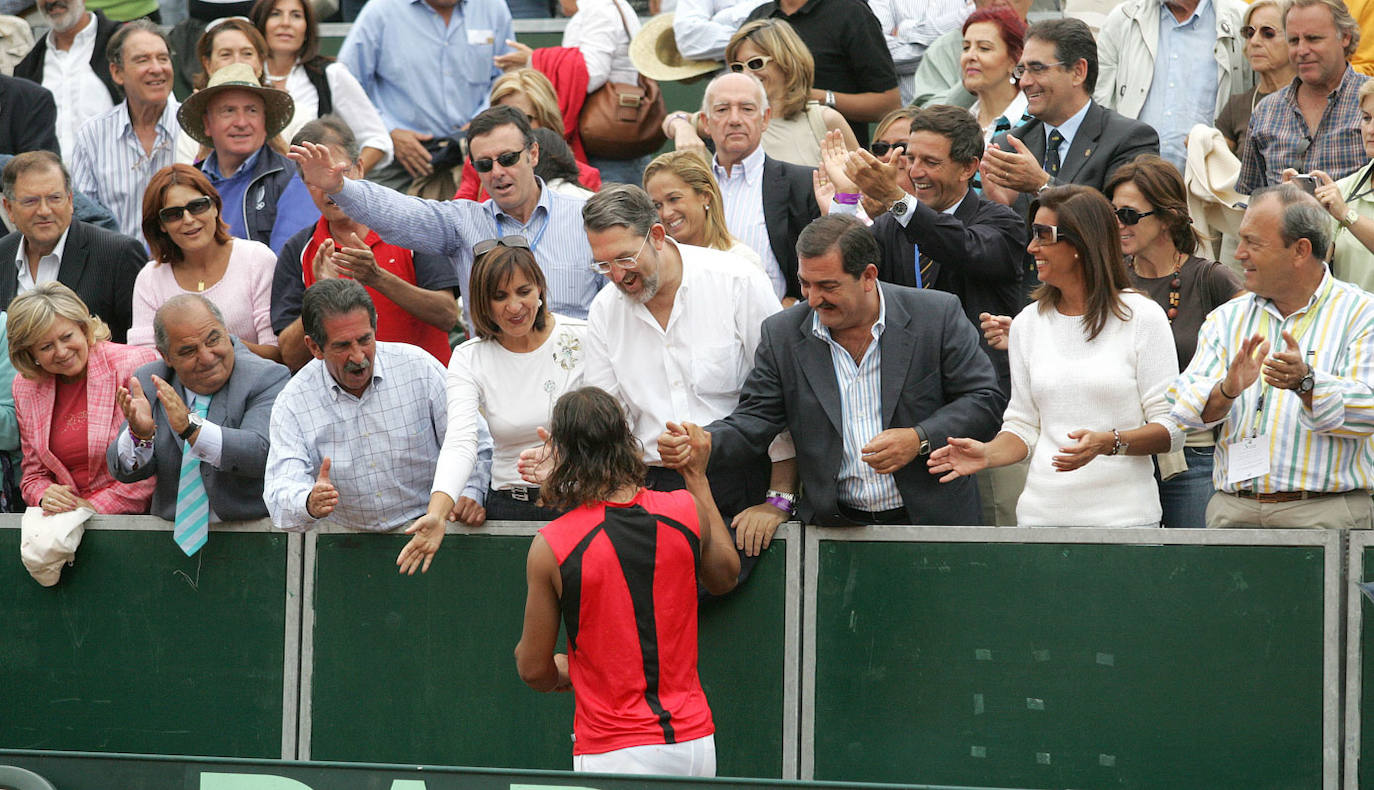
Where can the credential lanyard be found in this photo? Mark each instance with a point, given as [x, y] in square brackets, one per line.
[1299, 329]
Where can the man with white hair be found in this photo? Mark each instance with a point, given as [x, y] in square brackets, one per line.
[767, 202]
[70, 62]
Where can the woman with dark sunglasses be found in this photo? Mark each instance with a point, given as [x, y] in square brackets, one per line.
[1266, 47]
[1160, 245]
[772, 51]
[1091, 363]
[509, 377]
[194, 253]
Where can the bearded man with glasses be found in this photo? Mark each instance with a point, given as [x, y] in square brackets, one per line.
[503, 152]
[674, 341]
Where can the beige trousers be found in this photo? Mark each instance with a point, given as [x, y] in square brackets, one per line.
[1349, 510]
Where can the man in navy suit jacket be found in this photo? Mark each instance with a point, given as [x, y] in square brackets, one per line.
[913, 373]
[1059, 72]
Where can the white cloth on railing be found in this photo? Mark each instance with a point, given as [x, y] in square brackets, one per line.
[49, 542]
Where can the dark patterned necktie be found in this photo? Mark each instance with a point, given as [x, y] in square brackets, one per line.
[926, 264]
[1052, 154]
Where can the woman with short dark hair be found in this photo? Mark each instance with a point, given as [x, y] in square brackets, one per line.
[1088, 351]
[523, 358]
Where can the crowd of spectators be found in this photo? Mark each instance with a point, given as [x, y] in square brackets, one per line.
[1078, 277]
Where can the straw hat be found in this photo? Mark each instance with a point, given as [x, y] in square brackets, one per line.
[235, 76]
[655, 54]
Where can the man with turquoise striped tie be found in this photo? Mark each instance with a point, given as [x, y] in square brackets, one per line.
[199, 420]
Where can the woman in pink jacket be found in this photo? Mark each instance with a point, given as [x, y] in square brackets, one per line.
[64, 397]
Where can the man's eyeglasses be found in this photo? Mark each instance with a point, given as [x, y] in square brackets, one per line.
[486, 163]
[755, 63]
[604, 267]
[1248, 32]
[483, 247]
[1034, 68]
[197, 207]
[1047, 234]
[880, 148]
[1129, 216]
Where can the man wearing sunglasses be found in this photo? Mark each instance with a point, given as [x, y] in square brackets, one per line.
[1283, 373]
[1071, 139]
[1313, 123]
[503, 151]
[1172, 65]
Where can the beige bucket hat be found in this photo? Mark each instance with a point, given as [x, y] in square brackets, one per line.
[235, 76]
[655, 54]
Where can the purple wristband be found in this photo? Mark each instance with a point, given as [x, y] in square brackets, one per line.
[780, 503]
[847, 198]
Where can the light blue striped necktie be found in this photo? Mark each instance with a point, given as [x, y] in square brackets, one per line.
[192, 525]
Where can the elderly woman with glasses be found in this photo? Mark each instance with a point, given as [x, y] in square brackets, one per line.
[194, 253]
[772, 51]
[1091, 364]
[1266, 47]
[523, 359]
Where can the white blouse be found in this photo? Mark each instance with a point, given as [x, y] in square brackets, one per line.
[350, 104]
[515, 392]
[1060, 382]
[598, 31]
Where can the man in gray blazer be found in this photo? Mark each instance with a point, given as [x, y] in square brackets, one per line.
[911, 372]
[199, 360]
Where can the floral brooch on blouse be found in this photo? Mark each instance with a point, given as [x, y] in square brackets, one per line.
[569, 352]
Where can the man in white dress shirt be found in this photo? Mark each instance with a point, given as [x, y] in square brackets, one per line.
[674, 341]
[70, 62]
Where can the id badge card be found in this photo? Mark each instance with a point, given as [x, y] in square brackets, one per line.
[1249, 459]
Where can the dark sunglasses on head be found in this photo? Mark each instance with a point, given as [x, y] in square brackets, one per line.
[1047, 234]
[755, 63]
[1129, 216]
[508, 159]
[880, 148]
[197, 207]
[1248, 32]
[483, 247]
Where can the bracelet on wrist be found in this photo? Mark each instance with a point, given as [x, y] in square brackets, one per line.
[1118, 447]
[847, 198]
[1221, 386]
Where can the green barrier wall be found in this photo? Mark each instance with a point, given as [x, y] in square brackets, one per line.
[421, 669]
[1054, 665]
[141, 649]
[70, 771]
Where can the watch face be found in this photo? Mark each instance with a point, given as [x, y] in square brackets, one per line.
[899, 208]
[1306, 384]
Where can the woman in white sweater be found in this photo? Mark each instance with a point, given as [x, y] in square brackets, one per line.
[523, 358]
[1091, 362]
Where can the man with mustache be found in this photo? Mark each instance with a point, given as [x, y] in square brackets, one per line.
[355, 434]
[869, 377]
[70, 62]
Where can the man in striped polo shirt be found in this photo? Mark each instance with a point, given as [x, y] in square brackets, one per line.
[1287, 371]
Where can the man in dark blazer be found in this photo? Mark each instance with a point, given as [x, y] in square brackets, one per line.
[969, 246]
[199, 359]
[862, 457]
[1058, 73]
[28, 117]
[767, 202]
[99, 265]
